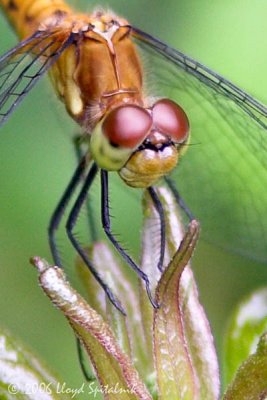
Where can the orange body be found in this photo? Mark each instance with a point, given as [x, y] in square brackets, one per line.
[26, 15]
[98, 72]
[99, 69]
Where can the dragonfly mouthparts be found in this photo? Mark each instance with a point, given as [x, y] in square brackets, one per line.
[156, 141]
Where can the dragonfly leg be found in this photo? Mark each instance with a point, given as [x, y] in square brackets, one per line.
[77, 141]
[157, 203]
[178, 198]
[59, 211]
[107, 228]
[70, 226]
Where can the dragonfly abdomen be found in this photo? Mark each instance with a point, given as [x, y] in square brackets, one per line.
[26, 15]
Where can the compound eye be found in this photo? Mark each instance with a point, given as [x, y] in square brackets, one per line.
[170, 118]
[127, 126]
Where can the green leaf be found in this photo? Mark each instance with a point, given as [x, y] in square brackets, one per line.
[176, 377]
[128, 330]
[186, 361]
[110, 271]
[114, 369]
[247, 323]
[22, 375]
[250, 382]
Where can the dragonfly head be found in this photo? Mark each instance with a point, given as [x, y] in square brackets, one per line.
[141, 144]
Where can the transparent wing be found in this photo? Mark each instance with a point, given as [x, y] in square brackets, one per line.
[223, 175]
[22, 66]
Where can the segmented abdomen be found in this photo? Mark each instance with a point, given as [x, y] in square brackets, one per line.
[26, 15]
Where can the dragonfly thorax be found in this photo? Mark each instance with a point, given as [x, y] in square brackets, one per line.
[99, 69]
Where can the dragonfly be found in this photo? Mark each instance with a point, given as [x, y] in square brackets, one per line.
[196, 126]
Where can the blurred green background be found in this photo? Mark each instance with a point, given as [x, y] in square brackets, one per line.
[37, 159]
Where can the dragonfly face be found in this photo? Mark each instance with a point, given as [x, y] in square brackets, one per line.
[142, 144]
